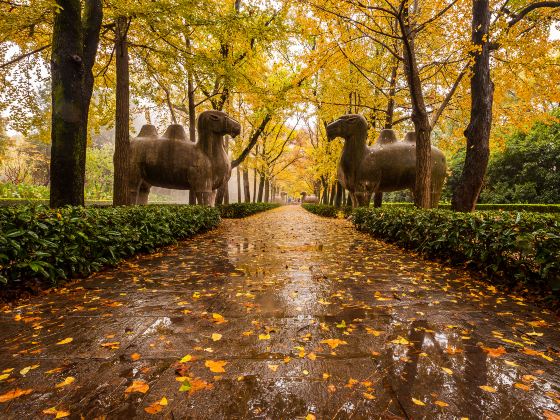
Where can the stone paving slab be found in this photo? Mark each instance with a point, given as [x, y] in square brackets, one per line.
[283, 315]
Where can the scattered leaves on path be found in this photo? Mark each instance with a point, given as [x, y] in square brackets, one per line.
[215, 366]
[138, 385]
[15, 393]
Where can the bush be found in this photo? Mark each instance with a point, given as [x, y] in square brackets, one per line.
[537, 208]
[325, 210]
[517, 247]
[38, 242]
[239, 210]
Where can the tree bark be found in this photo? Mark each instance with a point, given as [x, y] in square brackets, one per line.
[477, 133]
[391, 102]
[67, 181]
[422, 127]
[261, 188]
[74, 48]
[239, 199]
[333, 193]
[246, 186]
[121, 157]
[267, 191]
[377, 199]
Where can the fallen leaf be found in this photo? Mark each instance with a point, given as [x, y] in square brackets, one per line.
[497, 352]
[186, 359]
[114, 345]
[522, 386]
[216, 337]
[4, 376]
[549, 415]
[487, 388]
[447, 370]
[26, 369]
[59, 414]
[218, 319]
[264, 336]
[67, 381]
[156, 407]
[417, 402]
[55, 370]
[333, 343]
[135, 356]
[163, 401]
[65, 341]
[137, 386]
[441, 403]
[401, 340]
[215, 366]
[14, 393]
[273, 368]
[310, 417]
[368, 396]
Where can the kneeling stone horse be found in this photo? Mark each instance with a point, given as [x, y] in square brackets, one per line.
[389, 165]
[172, 161]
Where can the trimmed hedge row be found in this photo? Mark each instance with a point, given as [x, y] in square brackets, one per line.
[325, 210]
[239, 210]
[536, 208]
[517, 247]
[38, 242]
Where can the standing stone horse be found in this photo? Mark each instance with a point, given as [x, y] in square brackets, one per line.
[389, 165]
[172, 161]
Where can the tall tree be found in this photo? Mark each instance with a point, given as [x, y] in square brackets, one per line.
[121, 158]
[74, 46]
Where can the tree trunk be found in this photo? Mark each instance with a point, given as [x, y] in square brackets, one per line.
[254, 186]
[422, 127]
[377, 199]
[333, 193]
[73, 52]
[246, 186]
[121, 158]
[477, 133]
[261, 188]
[239, 199]
[348, 199]
[391, 101]
[267, 191]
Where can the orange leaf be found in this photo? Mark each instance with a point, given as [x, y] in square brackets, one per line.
[135, 356]
[137, 386]
[14, 393]
[65, 341]
[66, 381]
[441, 403]
[487, 388]
[497, 352]
[333, 343]
[522, 386]
[215, 366]
[59, 414]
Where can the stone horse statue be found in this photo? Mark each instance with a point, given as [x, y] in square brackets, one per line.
[172, 161]
[389, 165]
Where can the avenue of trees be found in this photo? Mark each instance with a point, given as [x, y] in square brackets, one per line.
[463, 74]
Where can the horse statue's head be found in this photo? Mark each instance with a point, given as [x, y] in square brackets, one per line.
[348, 126]
[218, 123]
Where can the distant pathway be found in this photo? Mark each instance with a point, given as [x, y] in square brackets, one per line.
[282, 315]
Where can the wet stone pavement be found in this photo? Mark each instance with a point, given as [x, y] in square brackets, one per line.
[283, 315]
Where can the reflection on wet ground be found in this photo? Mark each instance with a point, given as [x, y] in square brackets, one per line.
[283, 315]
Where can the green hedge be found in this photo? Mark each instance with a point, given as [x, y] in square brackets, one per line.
[325, 210]
[239, 210]
[537, 208]
[518, 247]
[38, 242]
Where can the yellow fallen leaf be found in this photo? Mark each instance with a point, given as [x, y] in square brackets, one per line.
[215, 366]
[26, 369]
[310, 417]
[186, 359]
[264, 336]
[55, 370]
[333, 343]
[374, 332]
[137, 386]
[510, 363]
[65, 341]
[14, 393]
[312, 356]
[441, 403]
[273, 368]
[417, 402]
[401, 340]
[216, 337]
[368, 396]
[218, 319]
[66, 381]
[326, 376]
[163, 401]
[9, 370]
[4, 376]
[447, 370]
[522, 386]
[487, 388]
[59, 414]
